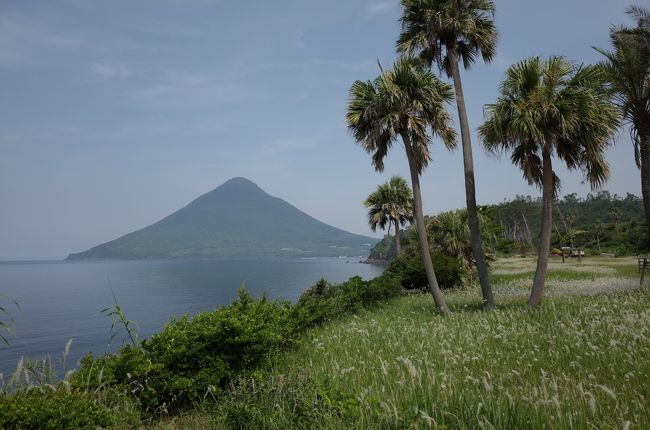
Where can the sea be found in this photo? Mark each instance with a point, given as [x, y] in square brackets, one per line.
[50, 303]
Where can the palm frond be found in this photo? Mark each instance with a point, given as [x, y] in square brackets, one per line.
[405, 100]
[433, 28]
[557, 107]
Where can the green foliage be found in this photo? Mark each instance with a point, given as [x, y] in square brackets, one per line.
[59, 409]
[6, 324]
[407, 100]
[627, 68]
[409, 269]
[386, 249]
[449, 234]
[324, 301]
[193, 358]
[442, 31]
[400, 366]
[302, 403]
[120, 323]
[392, 202]
[616, 219]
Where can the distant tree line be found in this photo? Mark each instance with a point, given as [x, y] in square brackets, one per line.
[598, 223]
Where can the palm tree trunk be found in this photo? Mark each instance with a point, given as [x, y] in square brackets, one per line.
[470, 189]
[438, 298]
[644, 150]
[397, 241]
[548, 191]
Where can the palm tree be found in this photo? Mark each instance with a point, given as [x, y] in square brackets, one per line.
[597, 230]
[450, 233]
[446, 32]
[628, 72]
[546, 109]
[407, 102]
[568, 219]
[616, 215]
[392, 203]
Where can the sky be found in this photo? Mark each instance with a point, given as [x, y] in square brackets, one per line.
[115, 114]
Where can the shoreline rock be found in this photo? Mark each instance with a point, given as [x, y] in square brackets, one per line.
[375, 261]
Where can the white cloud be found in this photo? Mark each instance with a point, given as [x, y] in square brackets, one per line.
[182, 90]
[107, 72]
[25, 40]
[281, 146]
[379, 8]
[300, 40]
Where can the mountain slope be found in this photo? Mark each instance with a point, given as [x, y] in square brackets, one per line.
[235, 219]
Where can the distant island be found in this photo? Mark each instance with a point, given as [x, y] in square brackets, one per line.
[236, 219]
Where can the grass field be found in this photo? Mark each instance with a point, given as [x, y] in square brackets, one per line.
[578, 361]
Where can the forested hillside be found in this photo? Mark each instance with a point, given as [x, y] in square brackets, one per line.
[600, 222]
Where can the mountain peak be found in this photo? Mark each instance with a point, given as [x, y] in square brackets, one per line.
[233, 189]
[238, 180]
[238, 218]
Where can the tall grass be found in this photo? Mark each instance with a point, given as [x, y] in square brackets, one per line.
[120, 323]
[579, 361]
[7, 328]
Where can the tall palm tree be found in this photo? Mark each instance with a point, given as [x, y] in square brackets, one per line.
[546, 109]
[628, 72]
[447, 32]
[407, 102]
[391, 203]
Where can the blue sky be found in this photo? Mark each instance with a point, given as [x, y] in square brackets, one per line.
[115, 114]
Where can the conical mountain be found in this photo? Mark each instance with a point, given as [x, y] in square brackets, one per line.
[236, 219]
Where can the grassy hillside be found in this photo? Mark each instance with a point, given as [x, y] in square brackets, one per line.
[576, 362]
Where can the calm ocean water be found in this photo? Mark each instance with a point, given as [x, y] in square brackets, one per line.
[59, 301]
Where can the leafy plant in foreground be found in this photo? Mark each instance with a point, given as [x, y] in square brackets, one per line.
[120, 320]
[7, 326]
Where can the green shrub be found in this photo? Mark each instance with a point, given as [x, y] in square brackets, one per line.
[194, 357]
[294, 402]
[58, 409]
[325, 301]
[410, 270]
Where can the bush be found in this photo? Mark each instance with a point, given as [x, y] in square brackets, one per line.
[324, 301]
[194, 357]
[410, 270]
[293, 402]
[58, 409]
